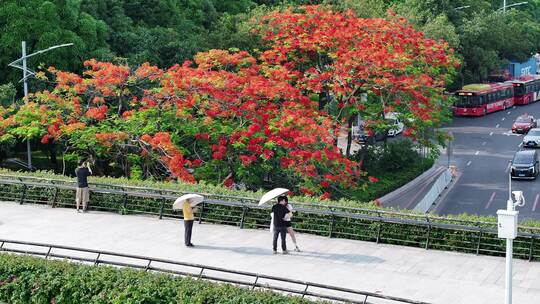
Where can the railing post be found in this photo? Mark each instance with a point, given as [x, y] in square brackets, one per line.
[161, 209]
[479, 238]
[332, 223]
[531, 248]
[255, 283]
[305, 291]
[200, 273]
[201, 213]
[379, 228]
[96, 261]
[48, 252]
[148, 265]
[23, 196]
[428, 232]
[244, 210]
[55, 197]
[124, 201]
[365, 300]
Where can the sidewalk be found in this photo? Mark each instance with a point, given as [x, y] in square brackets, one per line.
[431, 276]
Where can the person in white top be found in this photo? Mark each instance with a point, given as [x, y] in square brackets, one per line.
[288, 224]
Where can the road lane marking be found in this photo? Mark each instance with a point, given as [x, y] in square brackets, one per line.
[535, 202]
[520, 144]
[484, 143]
[491, 134]
[503, 118]
[513, 107]
[507, 168]
[490, 199]
[497, 126]
[508, 112]
[477, 152]
[469, 163]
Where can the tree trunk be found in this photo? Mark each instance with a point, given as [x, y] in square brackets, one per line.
[323, 100]
[52, 155]
[349, 134]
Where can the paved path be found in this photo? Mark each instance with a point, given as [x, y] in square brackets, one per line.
[432, 276]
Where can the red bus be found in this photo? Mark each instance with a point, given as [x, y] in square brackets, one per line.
[481, 99]
[526, 89]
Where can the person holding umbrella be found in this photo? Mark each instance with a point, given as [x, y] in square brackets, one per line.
[280, 211]
[188, 202]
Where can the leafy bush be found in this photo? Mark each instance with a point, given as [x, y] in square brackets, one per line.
[25, 279]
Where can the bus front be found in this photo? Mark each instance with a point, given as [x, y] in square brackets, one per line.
[520, 95]
[467, 104]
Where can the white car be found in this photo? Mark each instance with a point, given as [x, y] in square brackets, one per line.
[532, 139]
[396, 124]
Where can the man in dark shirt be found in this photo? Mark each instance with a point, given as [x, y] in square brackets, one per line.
[83, 194]
[279, 210]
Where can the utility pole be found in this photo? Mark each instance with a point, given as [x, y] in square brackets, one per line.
[27, 73]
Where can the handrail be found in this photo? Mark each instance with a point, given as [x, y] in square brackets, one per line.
[330, 215]
[253, 200]
[246, 200]
[49, 253]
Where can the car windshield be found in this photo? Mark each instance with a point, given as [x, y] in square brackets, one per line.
[534, 133]
[522, 158]
[523, 119]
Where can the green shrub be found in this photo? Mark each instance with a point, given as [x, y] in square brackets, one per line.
[25, 279]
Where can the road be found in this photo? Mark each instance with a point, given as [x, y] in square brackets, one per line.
[482, 149]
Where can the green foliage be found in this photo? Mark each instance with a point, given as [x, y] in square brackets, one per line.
[7, 94]
[46, 23]
[393, 165]
[25, 279]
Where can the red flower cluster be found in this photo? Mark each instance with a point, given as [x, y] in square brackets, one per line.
[97, 113]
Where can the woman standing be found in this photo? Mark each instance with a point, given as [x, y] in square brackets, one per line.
[288, 224]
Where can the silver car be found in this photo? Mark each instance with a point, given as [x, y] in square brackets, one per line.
[532, 139]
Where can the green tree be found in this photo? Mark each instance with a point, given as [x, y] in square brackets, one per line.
[43, 24]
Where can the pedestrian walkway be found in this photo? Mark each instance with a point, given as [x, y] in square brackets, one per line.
[426, 275]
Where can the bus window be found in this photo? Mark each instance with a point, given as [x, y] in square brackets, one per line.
[466, 101]
[482, 99]
[508, 93]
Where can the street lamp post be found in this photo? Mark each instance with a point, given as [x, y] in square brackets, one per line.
[27, 73]
[511, 5]
[507, 229]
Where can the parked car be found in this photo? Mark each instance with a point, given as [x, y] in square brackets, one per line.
[532, 139]
[361, 135]
[523, 124]
[524, 165]
[397, 125]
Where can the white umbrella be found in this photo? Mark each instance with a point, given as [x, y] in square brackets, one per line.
[194, 199]
[268, 196]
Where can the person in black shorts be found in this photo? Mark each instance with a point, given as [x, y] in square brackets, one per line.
[279, 210]
[288, 224]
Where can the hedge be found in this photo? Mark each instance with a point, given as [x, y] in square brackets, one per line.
[26, 279]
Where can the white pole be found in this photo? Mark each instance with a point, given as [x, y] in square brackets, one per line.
[504, 6]
[509, 249]
[28, 149]
[508, 290]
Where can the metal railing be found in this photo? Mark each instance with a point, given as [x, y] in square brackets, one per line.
[249, 280]
[424, 231]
